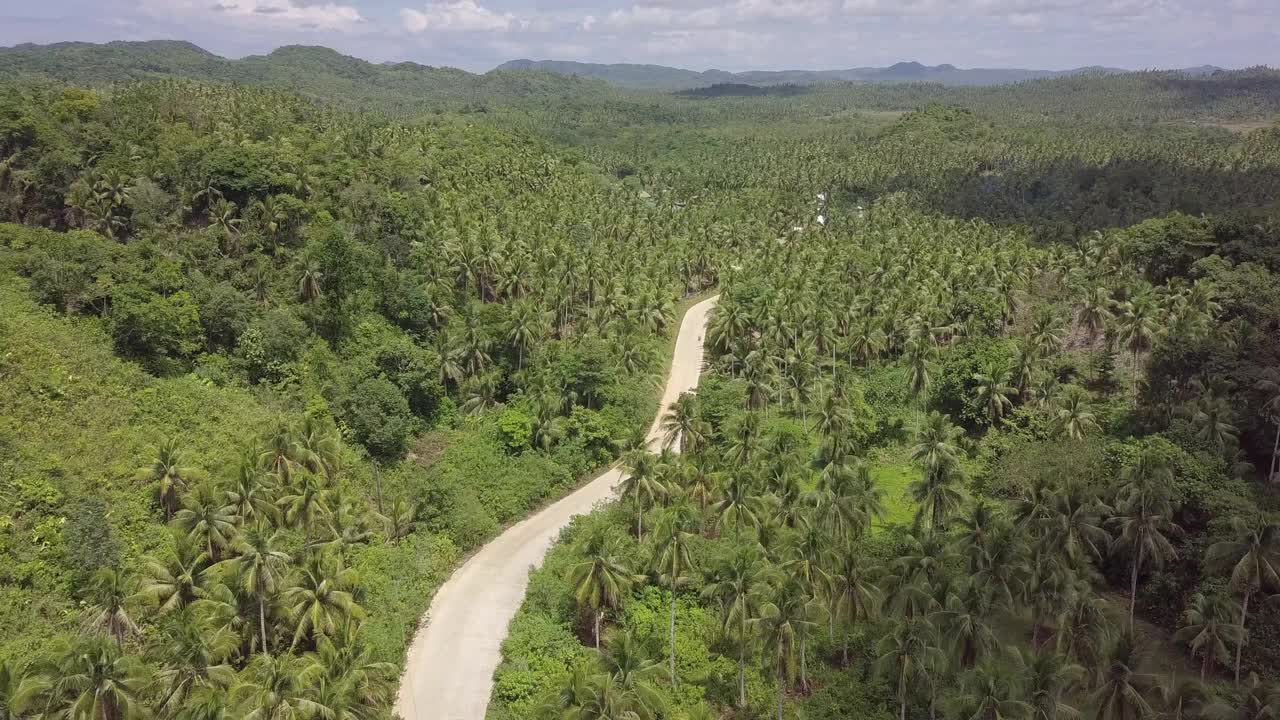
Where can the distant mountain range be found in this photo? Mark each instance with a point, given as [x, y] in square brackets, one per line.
[325, 73]
[660, 77]
[317, 72]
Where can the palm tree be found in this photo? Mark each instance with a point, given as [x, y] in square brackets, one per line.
[567, 700]
[1260, 701]
[698, 482]
[738, 503]
[318, 446]
[744, 438]
[1073, 417]
[1211, 419]
[907, 653]
[625, 659]
[1084, 628]
[92, 680]
[342, 669]
[641, 484]
[599, 696]
[398, 523]
[672, 561]
[1271, 410]
[963, 621]
[1026, 366]
[19, 689]
[275, 690]
[937, 443]
[196, 655]
[1120, 693]
[1209, 625]
[303, 507]
[260, 568]
[1095, 311]
[1074, 523]
[1046, 334]
[854, 595]
[918, 355]
[321, 601]
[1146, 481]
[249, 498]
[937, 495]
[1184, 698]
[994, 388]
[1139, 326]
[736, 584]
[781, 621]
[170, 475]
[281, 452]
[109, 590]
[203, 517]
[1047, 677]
[1252, 557]
[987, 692]
[311, 281]
[526, 326]
[681, 425]
[808, 558]
[1143, 532]
[600, 580]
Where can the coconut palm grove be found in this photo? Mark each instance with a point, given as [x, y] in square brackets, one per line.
[988, 425]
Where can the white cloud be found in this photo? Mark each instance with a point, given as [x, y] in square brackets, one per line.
[282, 14]
[892, 7]
[1026, 21]
[783, 9]
[667, 44]
[587, 23]
[456, 16]
[642, 16]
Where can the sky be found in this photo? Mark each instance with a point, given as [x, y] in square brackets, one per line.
[476, 35]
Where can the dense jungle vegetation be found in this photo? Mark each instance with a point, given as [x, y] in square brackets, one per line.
[991, 408]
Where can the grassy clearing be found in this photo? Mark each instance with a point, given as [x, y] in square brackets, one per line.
[894, 479]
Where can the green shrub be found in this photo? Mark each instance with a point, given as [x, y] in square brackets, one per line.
[397, 582]
[378, 416]
[90, 542]
[516, 430]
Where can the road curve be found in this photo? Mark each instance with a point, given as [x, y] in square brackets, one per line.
[449, 670]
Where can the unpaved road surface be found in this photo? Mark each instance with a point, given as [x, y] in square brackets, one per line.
[449, 671]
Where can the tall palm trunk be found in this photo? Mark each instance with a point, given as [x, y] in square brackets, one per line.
[262, 623]
[1135, 377]
[782, 688]
[742, 661]
[673, 636]
[1133, 585]
[599, 617]
[1275, 455]
[1244, 618]
[639, 516]
[902, 694]
[804, 665]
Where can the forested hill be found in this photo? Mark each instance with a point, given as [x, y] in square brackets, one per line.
[317, 72]
[659, 77]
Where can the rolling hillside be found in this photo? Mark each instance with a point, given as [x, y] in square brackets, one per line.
[668, 78]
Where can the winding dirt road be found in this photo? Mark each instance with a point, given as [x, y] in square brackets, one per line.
[449, 671]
